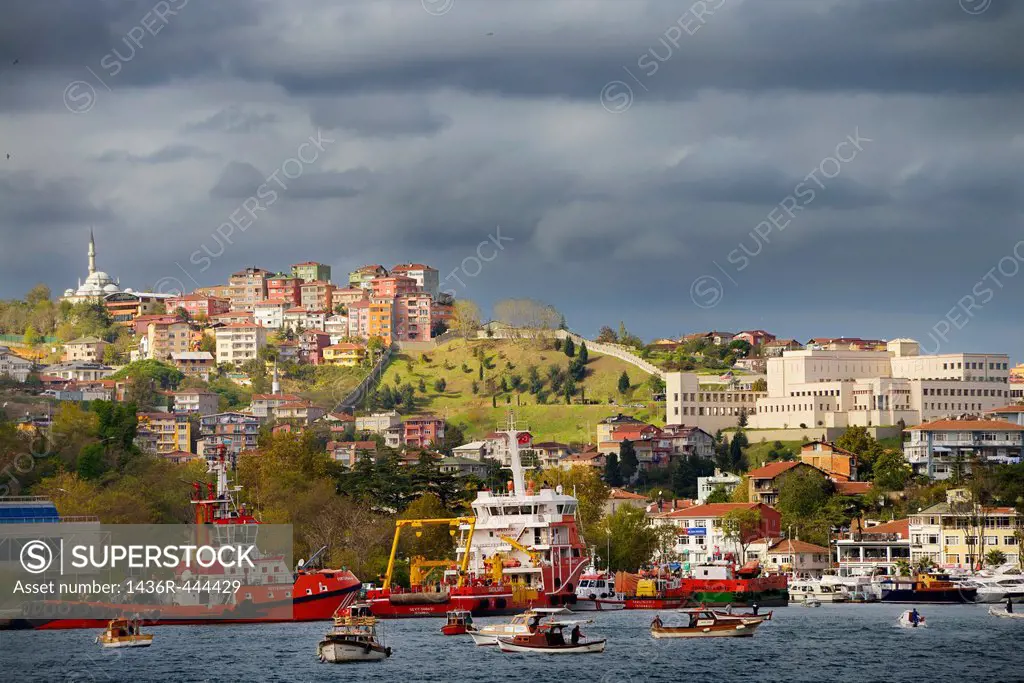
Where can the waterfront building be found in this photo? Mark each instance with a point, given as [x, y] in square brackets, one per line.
[700, 536]
[958, 534]
[939, 449]
[873, 549]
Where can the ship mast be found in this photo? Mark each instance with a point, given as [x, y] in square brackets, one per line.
[516, 465]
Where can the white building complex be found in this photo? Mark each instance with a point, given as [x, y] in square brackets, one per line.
[822, 389]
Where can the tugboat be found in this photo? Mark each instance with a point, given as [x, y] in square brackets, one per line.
[353, 639]
[550, 639]
[657, 591]
[931, 588]
[124, 633]
[705, 623]
[272, 592]
[720, 583]
[520, 549]
[459, 623]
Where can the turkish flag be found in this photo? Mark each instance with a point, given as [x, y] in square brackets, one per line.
[523, 438]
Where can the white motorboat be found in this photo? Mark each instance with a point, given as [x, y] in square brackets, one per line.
[596, 593]
[907, 620]
[812, 602]
[353, 639]
[1001, 612]
[802, 590]
[998, 585]
[519, 625]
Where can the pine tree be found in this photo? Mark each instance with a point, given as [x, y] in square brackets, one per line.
[583, 355]
[569, 347]
[628, 463]
[612, 475]
[623, 382]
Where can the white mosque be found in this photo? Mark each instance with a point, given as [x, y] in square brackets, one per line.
[97, 285]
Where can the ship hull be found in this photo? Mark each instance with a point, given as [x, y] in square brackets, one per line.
[654, 603]
[316, 607]
[715, 598]
[952, 596]
[483, 605]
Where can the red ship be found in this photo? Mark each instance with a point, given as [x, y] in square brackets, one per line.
[270, 592]
[520, 549]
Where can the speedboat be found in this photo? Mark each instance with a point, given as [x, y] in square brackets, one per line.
[124, 633]
[353, 638]
[549, 639]
[521, 624]
[906, 620]
[705, 623]
[1001, 612]
[998, 587]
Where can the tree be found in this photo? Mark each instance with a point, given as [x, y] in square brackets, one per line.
[623, 382]
[629, 537]
[741, 526]
[612, 474]
[736, 446]
[857, 440]
[803, 492]
[902, 567]
[606, 335]
[995, 558]
[31, 337]
[584, 355]
[140, 391]
[569, 347]
[527, 315]
[92, 461]
[628, 463]
[163, 375]
[465, 317]
[39, 294]
[432, 541]
[891, 471]
[581, 482]
[741, 422]
[759, 385]
[440, 385]
[718, 495]
[208, 343]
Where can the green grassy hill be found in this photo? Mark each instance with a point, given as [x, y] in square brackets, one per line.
[547, 415]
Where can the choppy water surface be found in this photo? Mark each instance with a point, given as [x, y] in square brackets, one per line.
[833, 643]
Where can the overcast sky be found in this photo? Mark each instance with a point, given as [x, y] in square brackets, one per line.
[632, 151]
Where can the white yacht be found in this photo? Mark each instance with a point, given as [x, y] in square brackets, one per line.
[804, 590]
[995, 586]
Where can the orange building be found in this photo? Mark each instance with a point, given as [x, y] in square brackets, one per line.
[382, 316]
[837, 463]
[392, 286]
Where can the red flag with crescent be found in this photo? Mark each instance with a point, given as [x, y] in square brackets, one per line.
[523, 438]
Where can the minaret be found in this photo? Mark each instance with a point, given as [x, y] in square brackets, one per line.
[275, 386]
[92, 253]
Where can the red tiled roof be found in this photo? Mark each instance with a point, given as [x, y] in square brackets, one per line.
[966, 425]
[1008, 409]
[402, 267]
[358, 445]
[710, 510]
[272, 397]
[773, 469]
[296, 404]
[853, 488]
[797, 546]
[619, 494]
[898, 526]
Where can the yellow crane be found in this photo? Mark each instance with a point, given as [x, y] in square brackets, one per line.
[534, 554]
[454, 523]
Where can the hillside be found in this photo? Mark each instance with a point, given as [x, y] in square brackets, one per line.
[548, 416]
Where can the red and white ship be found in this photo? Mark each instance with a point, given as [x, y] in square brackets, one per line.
[520, 549]
[269, 592]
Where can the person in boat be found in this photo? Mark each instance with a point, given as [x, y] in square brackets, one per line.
[1009, 605]
[657, 621]
[575, 635]
[754, 606]
[915, 618]
[728, 608]
[532, 624]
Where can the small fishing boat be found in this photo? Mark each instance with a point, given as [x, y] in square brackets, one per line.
[1001, 612]
[704, 623]
[549, 638]
[124, 633]
[912, 619]
[521, 624]
[811, 602]
[353, 638]
[460, 621]
[745, 616]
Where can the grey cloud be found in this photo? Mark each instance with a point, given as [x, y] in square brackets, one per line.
[378, 115]
[233, 119]
[164, 155]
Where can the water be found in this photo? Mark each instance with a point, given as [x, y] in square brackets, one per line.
[836, 643]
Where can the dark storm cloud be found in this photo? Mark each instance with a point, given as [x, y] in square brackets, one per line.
[441, 133]
[164, 155]
[35, 203]
[233, 119]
